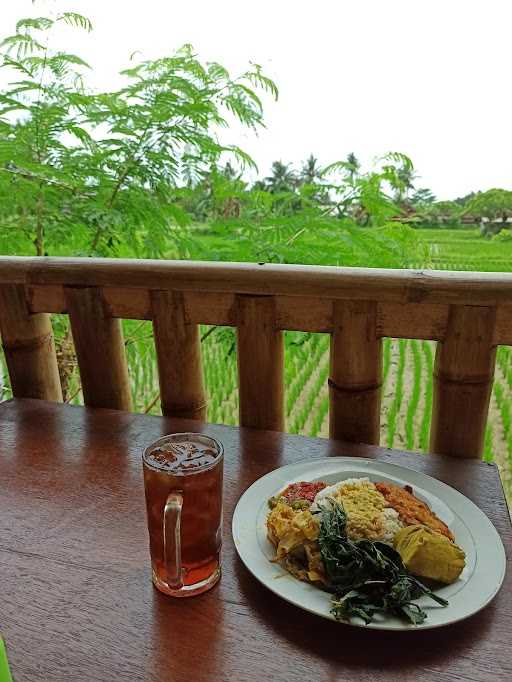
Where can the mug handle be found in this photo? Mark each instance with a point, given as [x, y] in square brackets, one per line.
[172, 540]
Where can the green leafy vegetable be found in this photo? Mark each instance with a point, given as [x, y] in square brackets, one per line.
[367, 577]
[273, 501]
[300, 504]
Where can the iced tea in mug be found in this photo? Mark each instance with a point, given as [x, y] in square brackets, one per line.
[183, 484]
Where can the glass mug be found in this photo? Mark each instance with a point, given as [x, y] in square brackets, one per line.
[183, 484]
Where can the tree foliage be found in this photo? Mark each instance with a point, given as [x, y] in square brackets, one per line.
[495, 204]
[439, 213]
[130, 172]
[311, 173]
[423, 197]
[281, 179]
[353, 165]
[100, 171]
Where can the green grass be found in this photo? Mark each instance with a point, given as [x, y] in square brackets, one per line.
[386, 359]
[320, 416]
[488, 451]
[397, 401]
[410, 434]
[426, 348]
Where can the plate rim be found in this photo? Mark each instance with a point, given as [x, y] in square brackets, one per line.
[338, 461]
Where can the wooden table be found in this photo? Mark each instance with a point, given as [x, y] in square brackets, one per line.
[76, 600]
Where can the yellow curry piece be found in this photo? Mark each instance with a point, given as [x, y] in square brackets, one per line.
[429, 554]
[295, 533]
[289, 528]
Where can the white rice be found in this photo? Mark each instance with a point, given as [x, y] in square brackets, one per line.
[330, 490]
[392, 524]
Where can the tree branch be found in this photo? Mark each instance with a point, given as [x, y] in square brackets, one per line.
[128, 166]
[34, 177]
[39, 240]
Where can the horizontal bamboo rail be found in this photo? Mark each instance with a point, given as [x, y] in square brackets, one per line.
[468, 313]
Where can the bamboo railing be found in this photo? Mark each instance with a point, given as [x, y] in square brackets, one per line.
[469, 314]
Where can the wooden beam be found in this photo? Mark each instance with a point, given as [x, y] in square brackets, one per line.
[355, 373]
[260, 364]
[29, 347]
[99, 349]
[399, 286]
[503, 328]
[178, 349]
[463, 376]
[412, 320]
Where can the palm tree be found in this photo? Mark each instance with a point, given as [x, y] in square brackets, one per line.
[423, 196]
[310, 173]
[353, 166]
[405, 177]
[260, 186]
[230, 172]
[281, 179]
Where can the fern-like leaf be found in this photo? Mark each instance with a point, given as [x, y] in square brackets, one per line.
[37, 23]
[76, 20]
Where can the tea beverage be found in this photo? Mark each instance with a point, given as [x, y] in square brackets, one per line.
[183, 484]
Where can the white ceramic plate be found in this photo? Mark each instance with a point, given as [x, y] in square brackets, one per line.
[485, 555]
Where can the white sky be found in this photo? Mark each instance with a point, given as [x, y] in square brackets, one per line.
[430, 78]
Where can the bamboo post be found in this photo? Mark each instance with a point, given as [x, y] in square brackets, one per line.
[178, 350]
[463, 376]
[29, 347]
[260, 363]
[100, 351]
[355, 373]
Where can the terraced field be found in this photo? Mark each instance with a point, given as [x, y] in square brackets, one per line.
[462, 249]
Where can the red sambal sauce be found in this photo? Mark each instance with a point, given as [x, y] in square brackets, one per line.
[302, 491]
